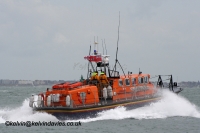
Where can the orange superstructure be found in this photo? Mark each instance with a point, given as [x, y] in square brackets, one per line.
[131, 86]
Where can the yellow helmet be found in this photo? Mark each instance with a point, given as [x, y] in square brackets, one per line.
[94, 73]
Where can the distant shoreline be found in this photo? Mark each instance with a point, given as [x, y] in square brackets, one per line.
[7, 82]
[21, 83]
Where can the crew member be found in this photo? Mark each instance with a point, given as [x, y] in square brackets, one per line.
[103, 79]
[94, 77]
[95, 80]
[161, 84]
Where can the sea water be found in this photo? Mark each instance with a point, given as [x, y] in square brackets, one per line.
[173, 113]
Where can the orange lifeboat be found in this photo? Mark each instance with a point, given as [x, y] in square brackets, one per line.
[87, 98]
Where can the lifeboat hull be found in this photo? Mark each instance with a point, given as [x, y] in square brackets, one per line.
[64, 113]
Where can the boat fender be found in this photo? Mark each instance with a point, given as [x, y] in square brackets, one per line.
[110, 92]
[56, 97]
[43, 96]
[31, 100]
[114, 93]
[49, 98]
[105, 95]
[67, 100]
[39, 101]
[53, 97]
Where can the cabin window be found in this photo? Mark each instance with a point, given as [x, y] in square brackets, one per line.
[133, 81]
[142, 80]
[127, 82]
[139, 80]
[146, 79]
[120, 82]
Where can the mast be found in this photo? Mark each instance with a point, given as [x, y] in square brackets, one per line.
[116, 60]
[102, 46]
[105, 46]
[88, 63]
[96, 45]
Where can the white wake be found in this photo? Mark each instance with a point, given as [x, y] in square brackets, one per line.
[169, 106]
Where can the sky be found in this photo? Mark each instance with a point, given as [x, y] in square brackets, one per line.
[48, 39]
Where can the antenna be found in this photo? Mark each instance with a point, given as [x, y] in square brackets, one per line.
[102, 46]
[117, 39]
[89, 63]
[96, 44]
[116, 60]
[105, 46]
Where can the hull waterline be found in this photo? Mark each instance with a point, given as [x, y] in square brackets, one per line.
[84, 112]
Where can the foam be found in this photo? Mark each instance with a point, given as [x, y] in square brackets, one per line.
[24, 113]
[171, 105]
